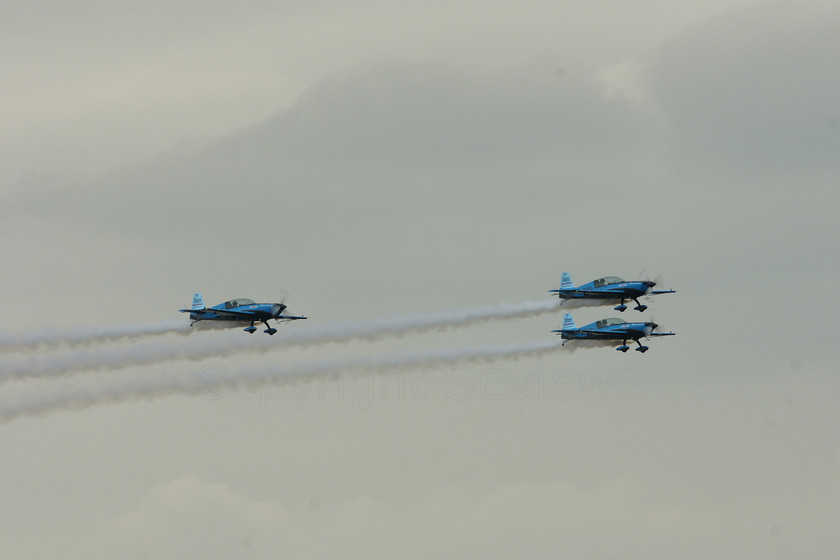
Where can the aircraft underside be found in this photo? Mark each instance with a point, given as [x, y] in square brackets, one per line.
[623, 348]
[607, 297]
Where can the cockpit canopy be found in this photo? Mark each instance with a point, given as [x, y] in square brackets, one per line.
[607, 280]
[238, 303]
[609, 322]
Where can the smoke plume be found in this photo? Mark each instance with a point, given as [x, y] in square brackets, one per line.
[35, 400]
[40, 365]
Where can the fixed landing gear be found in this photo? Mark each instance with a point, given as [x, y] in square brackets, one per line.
[625, 348]
[639, 306]
[252, 329]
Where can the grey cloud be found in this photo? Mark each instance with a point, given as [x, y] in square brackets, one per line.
[356, 140]
[423, 114]
[407, 187]
[753, 89]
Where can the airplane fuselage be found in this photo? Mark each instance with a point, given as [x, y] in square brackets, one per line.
[251, 312]
[609, 288]
[620, 291]
[240, 311]
[610, 329]
[623, 331]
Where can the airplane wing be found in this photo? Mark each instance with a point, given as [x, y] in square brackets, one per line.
[240, 314]
[598, 333]
[611, 332]
[654, 292]
[289, 317]
[662, 333]
[228, 314]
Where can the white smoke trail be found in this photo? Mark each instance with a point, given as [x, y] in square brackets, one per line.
[40, 400]
[572, 303]
[88, 335]
[580, 344]
[159, 351]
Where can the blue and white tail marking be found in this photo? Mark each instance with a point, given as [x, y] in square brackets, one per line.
[566, 282]
[568, 322]
[198, 303]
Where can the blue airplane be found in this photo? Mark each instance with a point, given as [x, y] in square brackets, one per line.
[608, 288]
[240, 310]
[609, 329]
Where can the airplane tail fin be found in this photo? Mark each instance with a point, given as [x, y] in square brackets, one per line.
[566, 281]
[198, 303]
[568, 322]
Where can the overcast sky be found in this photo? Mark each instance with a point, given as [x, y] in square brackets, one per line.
[387, 159]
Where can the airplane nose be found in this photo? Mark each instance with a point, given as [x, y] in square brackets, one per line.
[650, 283]
[278, 309]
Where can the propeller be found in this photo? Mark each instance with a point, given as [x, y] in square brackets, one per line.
[644, 277]
[658, 326]
[657, 281]
[279, 308]
[654, 325]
